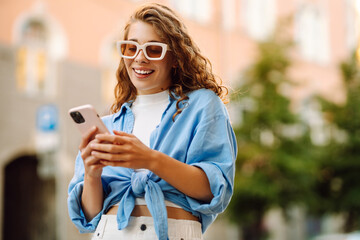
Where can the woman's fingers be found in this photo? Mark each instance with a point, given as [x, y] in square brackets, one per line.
[92, 165]
[121, 149]
[86, 151]
[86, 138]
[115, 139]
[107, 156]
[92, 160]
[106, 147]
[122, 133]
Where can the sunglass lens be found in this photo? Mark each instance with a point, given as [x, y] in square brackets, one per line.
[128, 49]
[154, 51]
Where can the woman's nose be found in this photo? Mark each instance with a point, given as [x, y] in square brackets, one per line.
[140, 57]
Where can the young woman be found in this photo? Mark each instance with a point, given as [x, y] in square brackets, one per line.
[168, 168]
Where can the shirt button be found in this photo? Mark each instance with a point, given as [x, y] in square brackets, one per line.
[143, 227]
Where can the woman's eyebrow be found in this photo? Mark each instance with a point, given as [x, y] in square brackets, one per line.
[135, 40]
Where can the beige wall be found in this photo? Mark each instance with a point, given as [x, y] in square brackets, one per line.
[87, 23]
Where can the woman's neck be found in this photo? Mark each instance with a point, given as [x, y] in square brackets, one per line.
[149, 99]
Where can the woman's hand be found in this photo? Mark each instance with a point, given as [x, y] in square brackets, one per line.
[121, 150]
[92, 165]
[125, 150]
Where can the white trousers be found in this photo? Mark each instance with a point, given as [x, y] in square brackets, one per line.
[142, 228]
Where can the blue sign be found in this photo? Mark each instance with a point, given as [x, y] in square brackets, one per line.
[47, 118]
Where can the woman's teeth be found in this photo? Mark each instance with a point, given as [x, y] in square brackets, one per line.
[143, 72]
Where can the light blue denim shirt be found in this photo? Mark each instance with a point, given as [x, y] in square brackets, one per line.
[200, 136]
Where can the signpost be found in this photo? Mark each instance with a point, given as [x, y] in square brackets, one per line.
[47, 139]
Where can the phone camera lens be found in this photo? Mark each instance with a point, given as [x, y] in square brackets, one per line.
[78, 118]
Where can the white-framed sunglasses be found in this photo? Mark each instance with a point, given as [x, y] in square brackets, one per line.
[152, 50]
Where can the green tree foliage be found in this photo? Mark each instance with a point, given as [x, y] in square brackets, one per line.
[274, 167]
[338, 186]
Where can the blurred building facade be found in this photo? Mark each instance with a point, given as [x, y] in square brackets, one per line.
[57, 54]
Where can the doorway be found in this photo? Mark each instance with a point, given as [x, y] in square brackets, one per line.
[29, 202]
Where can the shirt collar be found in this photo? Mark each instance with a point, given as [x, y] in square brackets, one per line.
[123, 108]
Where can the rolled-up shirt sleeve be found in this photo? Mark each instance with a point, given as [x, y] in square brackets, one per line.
[76, 213]
[214, 150]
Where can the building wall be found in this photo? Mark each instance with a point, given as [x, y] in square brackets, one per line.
[18, 126]
[86, 24]
[82, 29]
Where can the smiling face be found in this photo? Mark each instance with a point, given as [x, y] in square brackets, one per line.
[148, 76]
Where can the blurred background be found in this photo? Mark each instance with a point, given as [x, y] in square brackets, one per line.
[292, 71]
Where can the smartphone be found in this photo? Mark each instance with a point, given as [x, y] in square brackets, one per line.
[86, 117]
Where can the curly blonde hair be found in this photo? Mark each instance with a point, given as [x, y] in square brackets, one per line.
[193, 71]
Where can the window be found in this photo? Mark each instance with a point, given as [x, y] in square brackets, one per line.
[258, 17]
[40, 43]
[312, 33]
[228, 14]
[32, 62]
[198, 10]
[352, 32]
